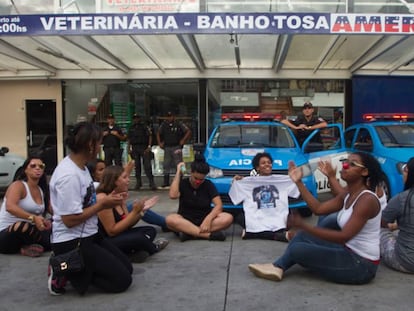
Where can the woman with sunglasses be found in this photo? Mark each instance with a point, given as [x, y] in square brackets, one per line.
[397, 249]
[348, 254]
[75, 220]
[23, 226]
[200, 211]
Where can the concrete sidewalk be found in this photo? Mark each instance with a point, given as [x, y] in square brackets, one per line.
[203, 275]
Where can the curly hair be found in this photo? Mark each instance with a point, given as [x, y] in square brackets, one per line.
[375, 174]
[258, 156]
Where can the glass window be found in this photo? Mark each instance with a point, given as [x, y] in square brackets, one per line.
[252, 136]
[396, 135]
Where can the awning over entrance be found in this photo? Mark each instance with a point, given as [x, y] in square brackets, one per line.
[207, 45]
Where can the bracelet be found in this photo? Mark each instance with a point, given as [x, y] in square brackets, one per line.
[31, 218]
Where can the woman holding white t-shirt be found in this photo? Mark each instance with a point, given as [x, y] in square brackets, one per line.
[265, 201]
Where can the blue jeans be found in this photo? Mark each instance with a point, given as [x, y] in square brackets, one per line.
[332, 261]
[151, 217]
[329, 221]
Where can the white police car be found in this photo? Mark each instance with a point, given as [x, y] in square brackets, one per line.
[10, 166]
[390, 138]
[233, 144]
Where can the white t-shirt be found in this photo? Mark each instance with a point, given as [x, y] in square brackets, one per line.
[265, 200]
[71, 190]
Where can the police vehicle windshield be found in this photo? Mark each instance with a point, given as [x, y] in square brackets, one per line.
[400, 135]
[252, 135]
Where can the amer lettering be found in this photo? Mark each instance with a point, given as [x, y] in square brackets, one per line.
[240, 162]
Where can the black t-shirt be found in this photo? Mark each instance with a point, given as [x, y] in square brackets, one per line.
[196, 203]
[301, 135]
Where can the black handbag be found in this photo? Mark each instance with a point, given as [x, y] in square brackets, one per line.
[69, 262]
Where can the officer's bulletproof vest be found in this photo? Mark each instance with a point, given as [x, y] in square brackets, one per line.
[138, 135]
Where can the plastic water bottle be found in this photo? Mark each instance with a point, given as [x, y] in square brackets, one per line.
[182, 169]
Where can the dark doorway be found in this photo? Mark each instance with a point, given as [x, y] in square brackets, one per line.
[41, 131]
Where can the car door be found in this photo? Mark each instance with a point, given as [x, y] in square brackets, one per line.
[326, 144]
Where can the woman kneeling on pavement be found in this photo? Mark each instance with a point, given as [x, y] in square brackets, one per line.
[350, 254]
[117, 223]
[200, 212]
[75, 209]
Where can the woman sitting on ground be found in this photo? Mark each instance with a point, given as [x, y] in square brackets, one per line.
[349, 254]
[23, 226]
[265, 201]
[97, 167]
[118, 223]
[200, 211]
[397, 249]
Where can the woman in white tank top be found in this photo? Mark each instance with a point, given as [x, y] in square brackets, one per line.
[350, 253]
[23, 227]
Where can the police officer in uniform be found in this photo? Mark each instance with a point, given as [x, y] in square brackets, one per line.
[139, 147]
[112, 137]
[171, 137]
[306, 123]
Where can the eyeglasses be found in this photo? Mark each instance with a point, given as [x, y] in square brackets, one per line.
[405, 168]
[346, 163]
[34, 165]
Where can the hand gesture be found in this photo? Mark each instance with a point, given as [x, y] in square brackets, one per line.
[138, 206]
[148, 203]
[295, 173]
[114, 198]
[326, 168]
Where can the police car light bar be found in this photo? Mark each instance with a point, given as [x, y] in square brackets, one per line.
[397, 116]
[250, 116]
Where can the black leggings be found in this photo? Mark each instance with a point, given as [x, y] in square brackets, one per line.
[106, 266]
[22, 233]
[136, 239]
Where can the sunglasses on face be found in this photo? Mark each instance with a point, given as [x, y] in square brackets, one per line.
[347, 163]
[34, 165]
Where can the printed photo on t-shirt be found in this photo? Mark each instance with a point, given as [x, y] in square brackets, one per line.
[265, 196]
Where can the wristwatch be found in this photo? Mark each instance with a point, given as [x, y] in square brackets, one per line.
[31, 218]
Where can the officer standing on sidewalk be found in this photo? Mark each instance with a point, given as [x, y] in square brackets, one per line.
[112, 137]
[139, 147]
[171, 137]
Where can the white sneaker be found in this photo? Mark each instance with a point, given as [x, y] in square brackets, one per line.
[267, 271]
